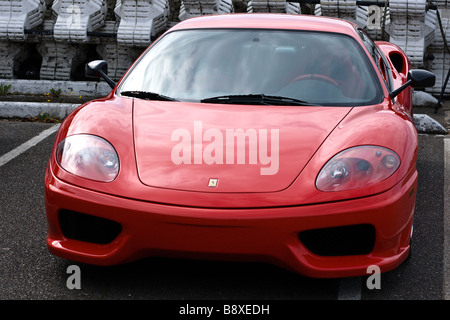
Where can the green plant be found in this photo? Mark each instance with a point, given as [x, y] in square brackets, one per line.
[45, 117]
[55, 92]
[4, 89]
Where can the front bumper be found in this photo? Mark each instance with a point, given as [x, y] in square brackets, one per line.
[269, 235]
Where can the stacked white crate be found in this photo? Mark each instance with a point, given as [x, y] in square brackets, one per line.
[119, 56]
[8, 52]
[140, 20]
[57, 60]
[75, 18]
[344, 9]
[440, 62]
[274, 6]
[64, 28]
[192, 8]
[410, 29]
[15, 17]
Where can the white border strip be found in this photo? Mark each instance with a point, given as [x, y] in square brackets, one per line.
[27, 145]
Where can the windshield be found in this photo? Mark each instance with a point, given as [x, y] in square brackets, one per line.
[203, 65]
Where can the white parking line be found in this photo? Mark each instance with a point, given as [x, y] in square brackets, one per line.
[446, 219]
[27, 145]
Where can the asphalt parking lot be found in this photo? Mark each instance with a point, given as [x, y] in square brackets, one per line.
[29, 272]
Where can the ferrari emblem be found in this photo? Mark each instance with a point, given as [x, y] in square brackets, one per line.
[213, 183]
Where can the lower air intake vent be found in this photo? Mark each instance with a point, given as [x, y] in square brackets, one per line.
[339, 241]
[83, 227]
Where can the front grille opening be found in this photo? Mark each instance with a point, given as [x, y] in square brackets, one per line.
[339, 241]
[84, 227]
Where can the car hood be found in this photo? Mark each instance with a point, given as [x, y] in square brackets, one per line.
[227, 148]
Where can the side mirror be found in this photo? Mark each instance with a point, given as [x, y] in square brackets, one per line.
[416, 78]
[98, 69]
[421, 78]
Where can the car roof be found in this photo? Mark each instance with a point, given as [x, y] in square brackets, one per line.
[268, 21]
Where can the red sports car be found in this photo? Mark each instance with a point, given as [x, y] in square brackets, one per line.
[277, 138]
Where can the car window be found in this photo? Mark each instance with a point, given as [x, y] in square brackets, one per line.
[376, 56]
[316, 67]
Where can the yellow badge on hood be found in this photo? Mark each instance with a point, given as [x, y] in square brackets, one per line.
[213, 183]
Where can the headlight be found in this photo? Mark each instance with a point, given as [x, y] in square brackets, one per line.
[89, 157]
[357, 167]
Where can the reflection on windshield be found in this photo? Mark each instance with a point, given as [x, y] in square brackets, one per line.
[315, 67]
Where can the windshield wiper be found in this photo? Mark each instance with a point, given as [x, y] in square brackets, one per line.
[147, 95]
[257, 99]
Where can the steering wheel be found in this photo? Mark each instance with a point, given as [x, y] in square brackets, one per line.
[315, 76]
